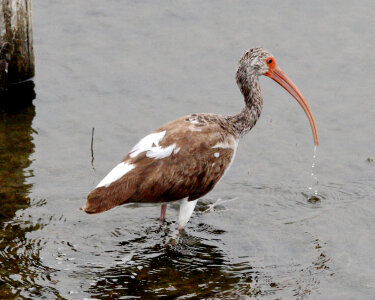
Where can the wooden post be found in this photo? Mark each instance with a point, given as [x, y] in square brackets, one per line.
[16, 42]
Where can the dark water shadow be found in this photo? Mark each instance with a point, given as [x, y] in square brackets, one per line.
[16, 146]
[178, 265]
[19, 257]
[17, 97]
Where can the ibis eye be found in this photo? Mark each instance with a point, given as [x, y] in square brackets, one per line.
[269, 61]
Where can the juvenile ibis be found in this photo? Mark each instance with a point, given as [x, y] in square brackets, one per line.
[185, 158]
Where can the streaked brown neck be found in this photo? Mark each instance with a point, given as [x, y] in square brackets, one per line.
[247, 118]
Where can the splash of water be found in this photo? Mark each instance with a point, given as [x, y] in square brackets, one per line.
[313, 187]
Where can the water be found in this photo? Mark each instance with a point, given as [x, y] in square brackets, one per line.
[125, 68]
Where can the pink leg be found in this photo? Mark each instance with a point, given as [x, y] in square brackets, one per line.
[162, 212]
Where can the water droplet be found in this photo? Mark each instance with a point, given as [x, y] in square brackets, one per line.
[313, 187]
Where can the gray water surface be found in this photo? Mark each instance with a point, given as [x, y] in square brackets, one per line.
[126, 67]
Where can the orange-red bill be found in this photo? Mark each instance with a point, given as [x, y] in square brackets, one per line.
[281, 78]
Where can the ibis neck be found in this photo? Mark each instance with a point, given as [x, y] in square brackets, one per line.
[247, 118]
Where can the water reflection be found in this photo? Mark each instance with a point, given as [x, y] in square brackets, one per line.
[149, 265]
[15, 148]
[191, 267]
[18, 256]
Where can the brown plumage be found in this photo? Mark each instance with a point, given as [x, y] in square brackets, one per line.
[185, 158]
[191, 172]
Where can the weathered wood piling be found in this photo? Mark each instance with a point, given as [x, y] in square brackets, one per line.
[16, 44]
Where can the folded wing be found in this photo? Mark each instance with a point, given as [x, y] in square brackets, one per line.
[183, 158]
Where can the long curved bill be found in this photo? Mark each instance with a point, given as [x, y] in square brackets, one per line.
[281, 78]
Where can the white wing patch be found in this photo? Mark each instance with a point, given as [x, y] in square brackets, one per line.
[150, 145]
[216, 154]
[146, 143]
[117, 172]
[159, 152]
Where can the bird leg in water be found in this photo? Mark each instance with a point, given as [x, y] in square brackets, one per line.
[186, 210]
[162, 212]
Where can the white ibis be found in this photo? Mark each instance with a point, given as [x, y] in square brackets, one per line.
[184, 159]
